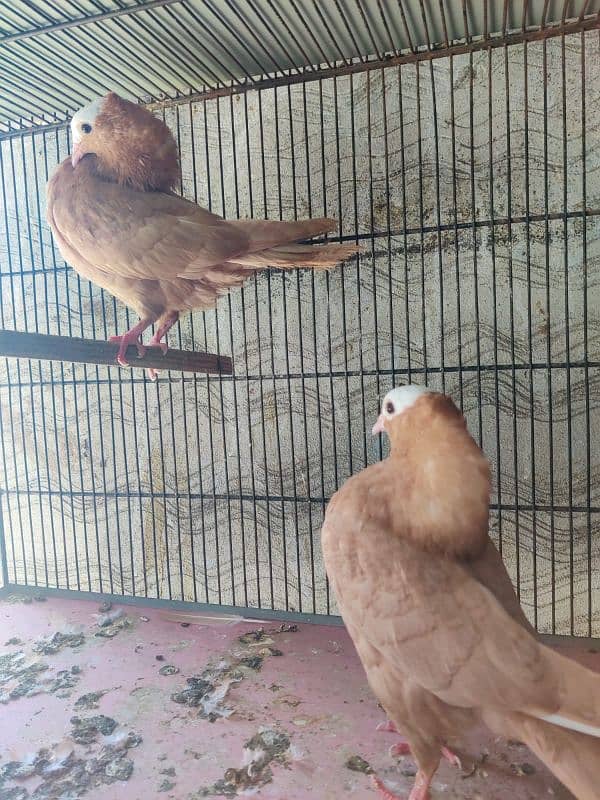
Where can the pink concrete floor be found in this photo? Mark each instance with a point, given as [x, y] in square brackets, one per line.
[281, 715]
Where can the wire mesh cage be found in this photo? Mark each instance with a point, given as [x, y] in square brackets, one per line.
[458, 143]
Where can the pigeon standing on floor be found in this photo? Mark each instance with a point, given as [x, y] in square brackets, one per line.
[117, 221]
[431, 609]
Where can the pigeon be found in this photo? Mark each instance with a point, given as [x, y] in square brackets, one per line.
[432, 611]
[117, 220]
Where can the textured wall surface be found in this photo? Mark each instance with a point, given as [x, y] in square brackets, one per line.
[474, 185]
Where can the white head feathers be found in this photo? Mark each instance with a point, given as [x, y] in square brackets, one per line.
[396, 402]
[83, 121]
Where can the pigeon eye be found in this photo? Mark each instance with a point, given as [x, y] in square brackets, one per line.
[389, 407]
[86, 128]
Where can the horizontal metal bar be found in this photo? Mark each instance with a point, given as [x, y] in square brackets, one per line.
[45, 347]
[266, 614]
[78, 22]
[351, 373]
[237, 497]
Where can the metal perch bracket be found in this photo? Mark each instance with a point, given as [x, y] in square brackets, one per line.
[17, 344]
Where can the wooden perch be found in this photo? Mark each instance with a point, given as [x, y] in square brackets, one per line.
[16, 344]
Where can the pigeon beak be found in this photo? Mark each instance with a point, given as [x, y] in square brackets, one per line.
[379, 425]
[77, 154]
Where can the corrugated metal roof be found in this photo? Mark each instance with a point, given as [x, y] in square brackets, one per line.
[56, 56]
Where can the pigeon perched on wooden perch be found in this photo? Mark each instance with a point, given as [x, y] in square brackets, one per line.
[117, 221]
[431, 609]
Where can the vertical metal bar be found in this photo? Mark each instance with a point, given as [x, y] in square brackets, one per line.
[363, 415]
[244, 304]
[332, 393]
[511, 281]
[421, 222]
[586, 372]
[494, 296]
[568, 335]
[474, 244]
[287, 366]
[438, 219]
[549, 341]
[372, 237]
[263, 176]
[315, 353]
[565, 166]
[388, 223]
[532, 429]
[184, 417]
[220, 382]
[232, 349]
[208, 378]
[407, 324]
[302, 379]
[195, 385]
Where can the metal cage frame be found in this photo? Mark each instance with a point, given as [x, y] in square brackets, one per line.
[406, 36]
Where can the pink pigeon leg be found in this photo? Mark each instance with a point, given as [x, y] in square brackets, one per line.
[163, 329]
[156, 340]
[131, 337]
[420, 790]
[403, 748]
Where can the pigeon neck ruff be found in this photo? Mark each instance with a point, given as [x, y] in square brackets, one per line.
[439, 478]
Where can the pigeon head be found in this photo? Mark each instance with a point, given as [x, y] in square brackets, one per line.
[125, 143]
[397, 402]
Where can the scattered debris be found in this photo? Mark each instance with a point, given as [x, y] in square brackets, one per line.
[88, 702]
[112, 622]
[477, 764]
[409, 771]
[109, 616]
[168, 669]
[86, 730]
[145, 619]
[523, 769]
[185, 624]
[263, 749]
[288, 700]
[252, 662]
[14, 793]
[106, 606]
[170, 771]
[166, 786]
[358, 764]
[275, 687]
[159, 658]
[49, 645]
[22, 677]
[207, 691]
[13, 640]
[67, 774]
[261, 634]
[39, 598]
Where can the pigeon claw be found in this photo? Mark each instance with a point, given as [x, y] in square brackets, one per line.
[452, 758]
[129, 338]
[399, 749]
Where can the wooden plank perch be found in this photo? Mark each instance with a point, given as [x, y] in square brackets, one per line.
[17, 344]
